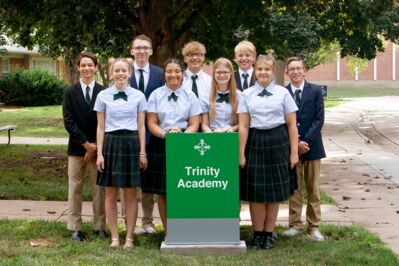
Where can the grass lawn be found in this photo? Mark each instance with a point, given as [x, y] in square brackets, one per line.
[338, 92]
[26, 169]
[43, 121]
[347, 245]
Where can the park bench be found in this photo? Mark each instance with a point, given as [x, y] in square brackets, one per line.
[8, 128]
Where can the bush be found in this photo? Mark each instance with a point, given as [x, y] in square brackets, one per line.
[31, 88]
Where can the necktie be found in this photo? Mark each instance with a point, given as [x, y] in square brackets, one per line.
[265, 92]
[194, 87]
[141, 80]
[172, 96]
[245, 84]
[120, 95]
[87, 96]
[297, 97]
[223, 98]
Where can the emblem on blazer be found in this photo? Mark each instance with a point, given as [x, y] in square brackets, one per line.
[202, 147]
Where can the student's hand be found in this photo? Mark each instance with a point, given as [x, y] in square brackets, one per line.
[90, 147]
[303, 147]
[173, 130]
[89, 156]
[100, 163]
[242, 161]
[143, 162]
[219, 130]
[293, 159]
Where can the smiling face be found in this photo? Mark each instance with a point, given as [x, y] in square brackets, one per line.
[296, 72]
[173, 75]
[86, 69]
[222, 75]
[120, 74]
[264, 72]
[141, 51]
[244, 59]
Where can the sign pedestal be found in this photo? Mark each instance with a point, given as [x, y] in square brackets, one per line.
[202, 194]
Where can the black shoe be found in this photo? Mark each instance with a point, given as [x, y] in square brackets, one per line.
[101, 234]
[268, 243]
[257, 241]
[78, 235]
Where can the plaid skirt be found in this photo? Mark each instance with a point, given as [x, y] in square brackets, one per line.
[154, 179]
[267, 177]
[121, 160]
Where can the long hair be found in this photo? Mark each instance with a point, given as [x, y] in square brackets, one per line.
[231, 87]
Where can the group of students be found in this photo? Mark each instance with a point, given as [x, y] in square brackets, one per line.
[134, 118]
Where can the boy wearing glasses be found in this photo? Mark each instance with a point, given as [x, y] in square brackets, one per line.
[310, 120]
[195, 78]
[145, 77]
[244, 57]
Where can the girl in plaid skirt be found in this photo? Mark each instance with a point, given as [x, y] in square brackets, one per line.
[120, 146]
[268, 149]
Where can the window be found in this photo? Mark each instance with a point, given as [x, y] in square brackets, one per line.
[5, 65]
[44, 64]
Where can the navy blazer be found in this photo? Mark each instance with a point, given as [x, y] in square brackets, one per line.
[238, 80]
[155, 80]
[310, 120]
[80, 120]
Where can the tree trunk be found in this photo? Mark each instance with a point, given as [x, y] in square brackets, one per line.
[72, 72]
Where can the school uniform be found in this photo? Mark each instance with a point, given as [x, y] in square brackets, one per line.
[171, 112]
[121, 141]
[240, 78]
[222, 110]
[203, 82]
[266, 177]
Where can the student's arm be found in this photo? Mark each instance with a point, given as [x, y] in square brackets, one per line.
[100, 140]
[141, 129]
[205, 123]
[193, 124]
[155, 129]
[290, 119]
[243, 129]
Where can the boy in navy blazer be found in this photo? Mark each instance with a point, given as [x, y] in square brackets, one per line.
[146, 78]
[80, 121]
[310, 120]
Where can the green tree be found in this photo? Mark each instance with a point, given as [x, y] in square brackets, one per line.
[66, 27]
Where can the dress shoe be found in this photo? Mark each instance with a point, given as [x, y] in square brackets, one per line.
[78, 235]
[268, 243]
[101, 234]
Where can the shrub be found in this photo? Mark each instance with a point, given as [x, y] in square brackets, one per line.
[31, 88]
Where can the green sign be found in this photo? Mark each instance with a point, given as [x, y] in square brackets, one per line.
[202, 175]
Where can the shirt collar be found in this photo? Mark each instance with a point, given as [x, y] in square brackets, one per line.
[146, 68]
[268, 88]
[127, 90]
[249, 72]
[84, 85]
[293, 88]
[189, 73]
[177, 92]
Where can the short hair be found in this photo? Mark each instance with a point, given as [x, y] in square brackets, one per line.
[143, 38]
[268, 59]
[294, 58]
[245, 46]
[88, 55]
[193, 47]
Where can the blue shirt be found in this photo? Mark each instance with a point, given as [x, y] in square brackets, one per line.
[222, 112]
[120, 114]
[173, 113]
[268, 111]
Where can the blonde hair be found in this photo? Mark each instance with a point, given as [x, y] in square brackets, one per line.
[113, 60]
[245, 46]
[193, 47]
[231, 86]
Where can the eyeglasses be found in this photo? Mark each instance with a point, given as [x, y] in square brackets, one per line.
[293, 69]
[224, 73]
[144, 48]
[191, 55]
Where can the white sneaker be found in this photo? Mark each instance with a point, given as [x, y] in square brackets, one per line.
[293, 231]
[149, 229]
[316, 235]
[139, 231]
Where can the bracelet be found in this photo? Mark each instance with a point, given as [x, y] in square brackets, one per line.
[142, 154]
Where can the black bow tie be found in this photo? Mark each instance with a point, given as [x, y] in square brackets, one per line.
[121, 95]
[223, 98]
[172, 96]
[265, 92]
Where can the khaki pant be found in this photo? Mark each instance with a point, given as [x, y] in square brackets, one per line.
[76, 173]
[310, 170]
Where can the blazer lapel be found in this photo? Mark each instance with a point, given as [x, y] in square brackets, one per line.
[253, 79]
[133, 80]
[238, 80]
[305, 94]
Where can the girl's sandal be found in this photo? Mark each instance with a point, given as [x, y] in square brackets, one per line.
[128, 243]
[114, 243]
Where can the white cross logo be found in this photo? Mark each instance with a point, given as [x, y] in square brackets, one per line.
[202, 147]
